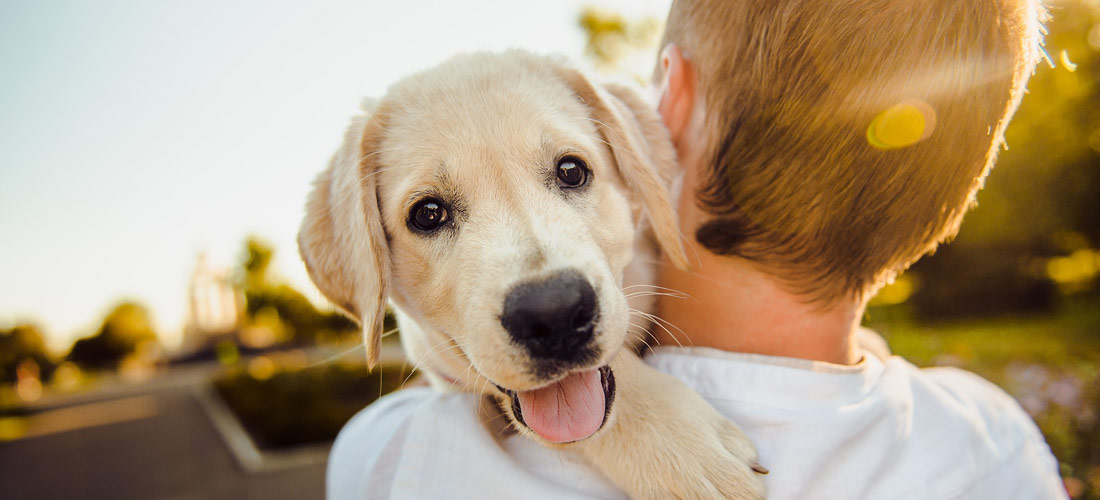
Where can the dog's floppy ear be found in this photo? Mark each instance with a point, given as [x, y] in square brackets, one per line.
[643, 152]
[341, 239]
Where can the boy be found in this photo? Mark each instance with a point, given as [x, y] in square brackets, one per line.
[826, 146]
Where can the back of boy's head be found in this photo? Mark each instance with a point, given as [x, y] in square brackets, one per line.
[848, 138]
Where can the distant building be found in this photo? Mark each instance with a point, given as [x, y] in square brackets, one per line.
[215, 306]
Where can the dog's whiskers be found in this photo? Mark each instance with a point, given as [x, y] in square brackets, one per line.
[661, 322]
[467, 383]
[656, 294]
[334, 357]
[657, 287]
[345, 352]
[639, 335]
[440, 347]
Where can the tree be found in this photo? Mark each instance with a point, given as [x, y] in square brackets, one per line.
[122, 332]
[300, 320]
[20, 344]
[618, 45]
[257, 260]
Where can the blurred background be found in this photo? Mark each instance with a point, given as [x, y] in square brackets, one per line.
[159, 337]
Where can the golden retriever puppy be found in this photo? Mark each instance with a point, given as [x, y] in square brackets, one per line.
[501, 203]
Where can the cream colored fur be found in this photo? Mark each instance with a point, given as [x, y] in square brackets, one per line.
[485, 131]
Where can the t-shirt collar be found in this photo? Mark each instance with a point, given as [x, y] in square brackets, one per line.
[771, 380]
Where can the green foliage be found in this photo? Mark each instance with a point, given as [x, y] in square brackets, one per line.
[983, 280]
[282, 307]
[612, 39]
[122, 332]
[294, 407]
[20, 344]
[302, 322]
[257, 259]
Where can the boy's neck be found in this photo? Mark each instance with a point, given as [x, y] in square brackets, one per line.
[732, 306]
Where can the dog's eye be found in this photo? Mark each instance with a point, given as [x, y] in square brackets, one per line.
[428, 214]
[572, 172]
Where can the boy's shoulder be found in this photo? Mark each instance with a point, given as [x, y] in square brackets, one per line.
[960, 418]
[881, 429]
[991, 428]
[966, 397]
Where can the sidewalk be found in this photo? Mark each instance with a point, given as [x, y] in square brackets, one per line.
[167, 448]
[169, 437]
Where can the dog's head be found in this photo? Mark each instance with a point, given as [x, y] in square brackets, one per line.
[495, 200]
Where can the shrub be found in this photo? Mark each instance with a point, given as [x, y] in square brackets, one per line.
[295, 407]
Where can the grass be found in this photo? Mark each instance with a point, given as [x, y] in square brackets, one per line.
[1069, 338]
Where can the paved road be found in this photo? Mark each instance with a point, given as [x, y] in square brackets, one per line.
[154, 445]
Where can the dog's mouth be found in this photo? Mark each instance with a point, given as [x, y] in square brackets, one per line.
[568, 410]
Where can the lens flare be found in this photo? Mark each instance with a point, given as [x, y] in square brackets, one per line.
[901, 125]
[1069, 65]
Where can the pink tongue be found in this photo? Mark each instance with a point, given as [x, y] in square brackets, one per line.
[569, 410]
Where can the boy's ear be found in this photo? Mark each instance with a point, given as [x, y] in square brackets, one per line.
[341, 239]
[677, 94]
[642, 151]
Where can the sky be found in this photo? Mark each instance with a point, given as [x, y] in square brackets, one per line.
[135, 135]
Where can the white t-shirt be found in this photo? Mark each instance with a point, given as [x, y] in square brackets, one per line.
[876, 430]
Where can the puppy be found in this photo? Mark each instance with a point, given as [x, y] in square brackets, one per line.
[497, 202]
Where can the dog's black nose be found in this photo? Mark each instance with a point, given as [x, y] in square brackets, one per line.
[553, 318]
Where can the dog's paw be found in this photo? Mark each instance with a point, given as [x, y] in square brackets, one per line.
[708, 459]
[665, 441]
[729, 469]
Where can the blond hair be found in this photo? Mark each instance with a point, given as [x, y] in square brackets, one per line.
[847, 139]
